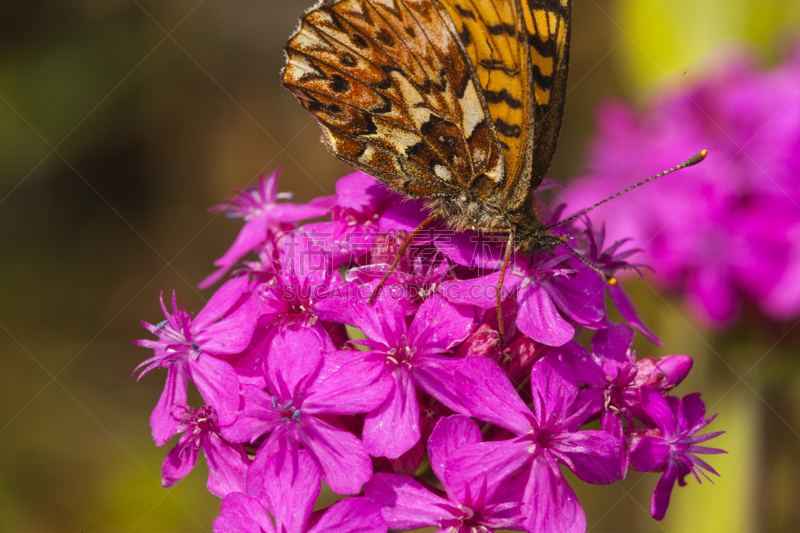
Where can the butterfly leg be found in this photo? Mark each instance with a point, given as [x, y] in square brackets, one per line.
[506, 260]
[400, 252]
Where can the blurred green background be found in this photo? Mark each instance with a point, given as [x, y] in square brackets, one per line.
[122, 121]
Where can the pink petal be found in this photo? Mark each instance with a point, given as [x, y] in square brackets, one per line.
[552, 504]
[554, 388]
[658, 409]
[281, 443]
[291, 486]
[539, 319]
[232, 334]
[480, 292]
[663, 491]
[440, 325]
[393, 428]
[295, 358]
[649, 453]
[222, 301]
[406, 504]
[450, 434]
[345, 464]
[595, 455]
[163, 424]
[218, 385]
[354, 388]
[488, 395]
[257, 417]
[586, 367]
[241, 514]
[227, 466]
[178, 463]
[626, 308]
[613, 343]
[691, 411]
[253, 233]
[436, 375]
[581, 297]
[486, 464]
[353, 515]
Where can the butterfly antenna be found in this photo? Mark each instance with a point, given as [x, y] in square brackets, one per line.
[610, 279]
[696, 158]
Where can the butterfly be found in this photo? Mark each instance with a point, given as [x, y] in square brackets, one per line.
[459, 102]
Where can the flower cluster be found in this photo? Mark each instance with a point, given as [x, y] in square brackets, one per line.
[305, 381]
[725, 231]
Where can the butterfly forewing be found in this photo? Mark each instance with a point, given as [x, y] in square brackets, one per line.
[394, 94]
[453, 99]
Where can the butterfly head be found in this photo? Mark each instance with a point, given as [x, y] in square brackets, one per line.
[535, 237]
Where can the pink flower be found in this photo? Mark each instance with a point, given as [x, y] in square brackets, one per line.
[303, 392]
[264, 220]
[227, 463]
[189, 349]
[672, 448]
[288, 491]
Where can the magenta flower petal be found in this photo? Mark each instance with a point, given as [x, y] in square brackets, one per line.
[232, 335]
[345, 464]
[479, 463]
[294, 361]
[353, 388]
[253, 233]
[291, 486]
[406, 504]
[539, 319]
[242, 514]
[436, 375]
[586, 367]
[553, 504]
[649, 454]
[594, 455]
[393, 428]
[256, 418]
[663, 491]
[613, 343]
[480, 292]
[177, 464]
[405, 215]
[451, 433]
[359, 190]
[473, 250]
[223, 301]
[489, 395]
[163, 424]
[691, 412]
[353, 515]
[626, 308]
[282, 443]
[657, 408]
[581, 297]
[227, 466]
[218, 385]
[439, 325]
[554, 390]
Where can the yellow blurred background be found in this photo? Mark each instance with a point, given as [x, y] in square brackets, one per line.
[122, 121]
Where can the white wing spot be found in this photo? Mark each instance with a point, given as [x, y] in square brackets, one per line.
[443, 172]
[471, 109]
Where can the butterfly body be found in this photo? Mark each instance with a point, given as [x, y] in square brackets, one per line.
[458, 102]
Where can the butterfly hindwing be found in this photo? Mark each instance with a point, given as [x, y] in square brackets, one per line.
[548, 26]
